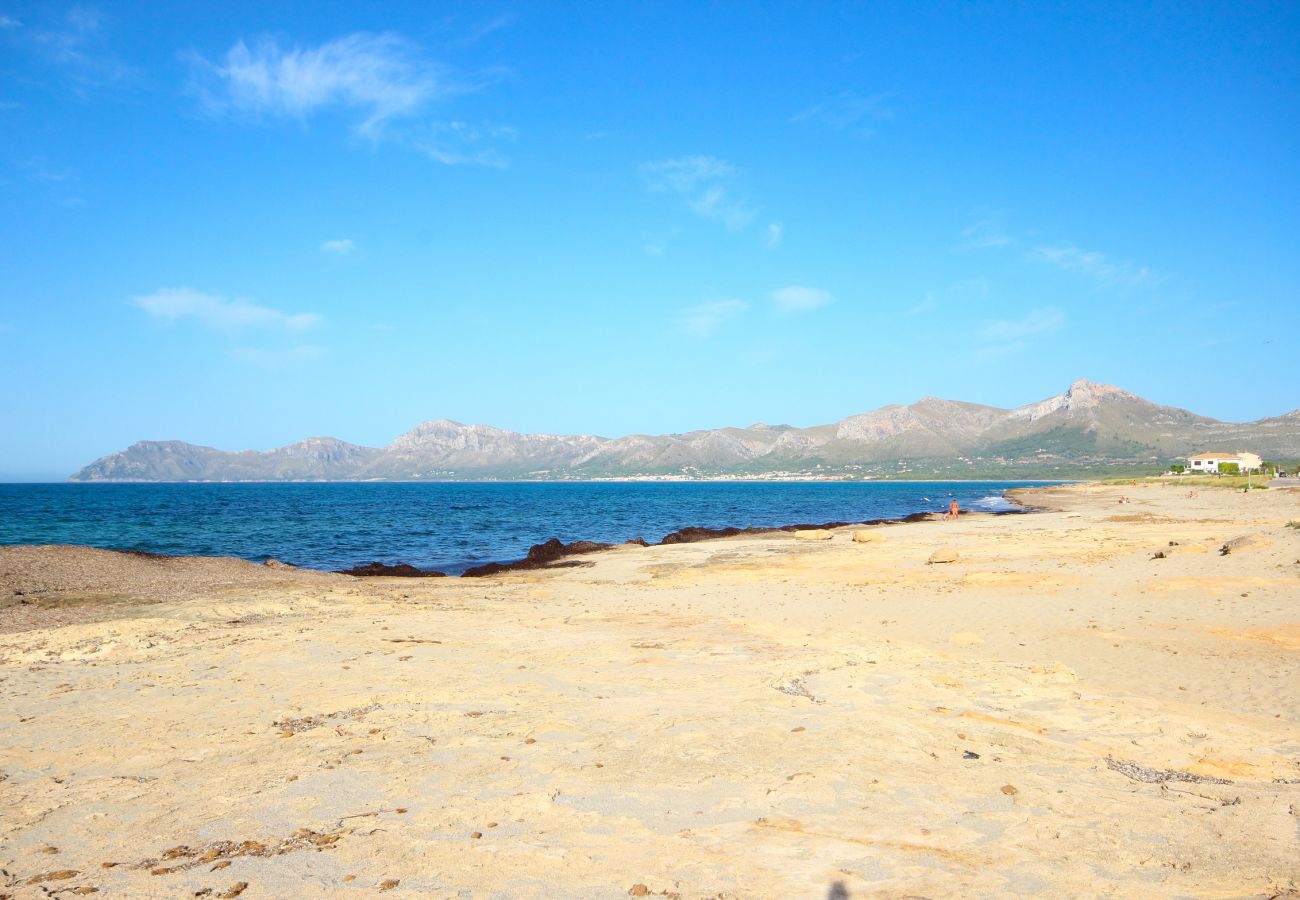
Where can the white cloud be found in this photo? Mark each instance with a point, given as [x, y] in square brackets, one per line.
[76, 44]
[482, 30]
[796, 299]
[702, 321]
[379, 76]
[1036, 323]
[385, 82]
[848, 112]
[998, 338]
[702, 181]
[1093, 265]
[775, 233]
[924, 306]
[338, 246]
[218, 313]
[985, 234]
[461, 143]
[9, 22]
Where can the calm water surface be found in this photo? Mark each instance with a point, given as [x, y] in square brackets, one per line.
[439, 526]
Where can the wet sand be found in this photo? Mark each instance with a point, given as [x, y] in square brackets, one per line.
[1053, 713]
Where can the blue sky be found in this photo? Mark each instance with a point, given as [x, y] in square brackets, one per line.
[242, 224]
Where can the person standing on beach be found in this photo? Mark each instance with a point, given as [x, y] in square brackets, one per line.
[953, 510]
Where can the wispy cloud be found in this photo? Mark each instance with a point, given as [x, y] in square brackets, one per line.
[1035, 323]
[9, 22]
[988, 234]
[218, 313]
[964, 293]
[338, 246]
[985, 234]
[483, 29]
[379, 77]
[76, 44]
[704, 183]
[462, 143]
[797, 299]
[849, 112]
[775, 234]
[702, 321]
[1002, 337]
[1094, 265]
[924, 306]
[384, 82]
[39, 169]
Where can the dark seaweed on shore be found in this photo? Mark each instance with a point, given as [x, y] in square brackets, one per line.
[550, 553]
[547, 554]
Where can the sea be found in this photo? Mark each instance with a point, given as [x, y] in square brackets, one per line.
[444, 526]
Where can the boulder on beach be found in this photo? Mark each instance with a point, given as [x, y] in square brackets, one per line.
[942, 555]
[385, 570]
[865, 536]
[816, 534]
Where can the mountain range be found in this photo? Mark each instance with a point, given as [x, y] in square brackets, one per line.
[1089, 429]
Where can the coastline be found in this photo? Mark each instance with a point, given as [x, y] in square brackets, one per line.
[450, 528]
[1054, 710]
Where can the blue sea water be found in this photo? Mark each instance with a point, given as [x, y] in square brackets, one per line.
[447, 526]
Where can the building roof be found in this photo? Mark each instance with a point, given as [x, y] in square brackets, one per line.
[1214, 456]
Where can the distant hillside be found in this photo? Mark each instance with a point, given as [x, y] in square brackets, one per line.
[1091, 428]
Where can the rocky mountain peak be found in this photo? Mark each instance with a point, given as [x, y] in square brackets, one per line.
[1089, 425]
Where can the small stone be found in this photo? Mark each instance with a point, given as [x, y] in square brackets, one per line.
[221, 864]
[798, 728]
[389, 883]
[401, 810]
[349, 878]
[476, 834]
[942, 555]
[85, 889]
[638, 890]
[969, 754]
[60, 875]
[491, 824]
[234, 890]
[530, 741]
[1009, 790]
[49, 850]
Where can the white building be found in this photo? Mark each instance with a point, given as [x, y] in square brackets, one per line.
[1210, 462]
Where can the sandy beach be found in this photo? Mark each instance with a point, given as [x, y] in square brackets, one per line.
[1095, 699]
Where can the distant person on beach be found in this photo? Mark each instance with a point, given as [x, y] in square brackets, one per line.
[953, 510]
